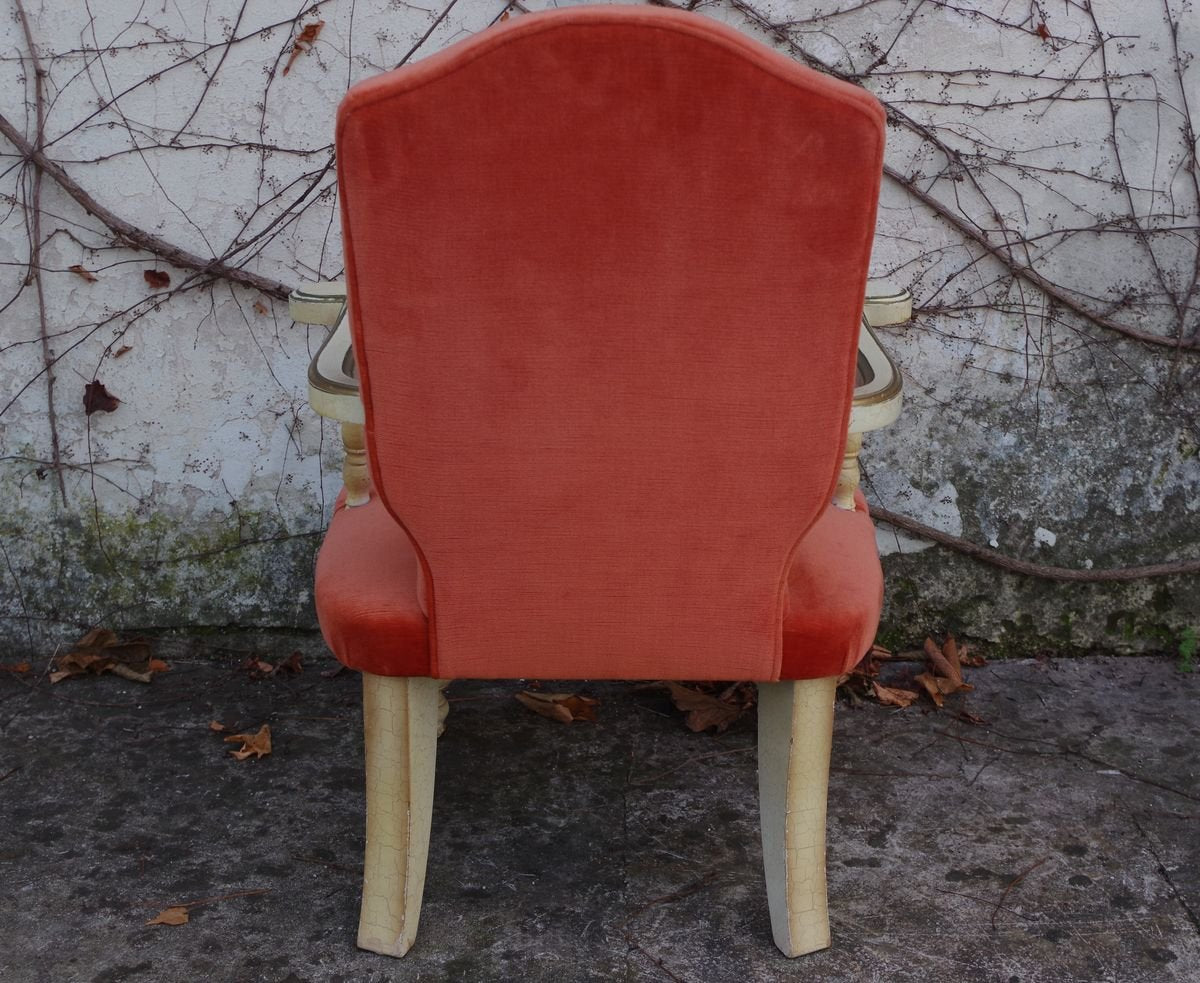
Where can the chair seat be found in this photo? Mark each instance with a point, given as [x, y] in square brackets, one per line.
[367, 574]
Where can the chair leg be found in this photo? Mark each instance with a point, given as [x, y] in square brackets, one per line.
[400, 721]
[795, 731]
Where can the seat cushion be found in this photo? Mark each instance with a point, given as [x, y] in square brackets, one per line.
[366, 593]
[835, 595]
[367, 576]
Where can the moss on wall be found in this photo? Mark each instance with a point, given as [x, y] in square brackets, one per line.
[937, 590]
[68, 571]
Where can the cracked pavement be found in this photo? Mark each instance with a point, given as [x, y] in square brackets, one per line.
[1056, 842]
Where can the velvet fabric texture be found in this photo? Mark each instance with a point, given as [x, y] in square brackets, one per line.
[605, 268]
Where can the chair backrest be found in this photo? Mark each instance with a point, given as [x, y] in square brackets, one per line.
[606, 267]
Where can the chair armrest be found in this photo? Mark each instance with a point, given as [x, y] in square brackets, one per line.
[886, 303]
[317, 303]
[333, 377]
[877, 390]
[879, 384]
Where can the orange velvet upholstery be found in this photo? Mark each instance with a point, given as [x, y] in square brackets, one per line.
[605, 267]
[368, 608]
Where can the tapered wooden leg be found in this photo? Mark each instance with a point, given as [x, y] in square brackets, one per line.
[400, 719]
[795, 732]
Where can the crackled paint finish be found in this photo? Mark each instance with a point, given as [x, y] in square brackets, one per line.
[200, 500]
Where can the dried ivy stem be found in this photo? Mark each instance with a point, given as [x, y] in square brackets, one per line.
[1021, 271]
[34, 275]
[131, 234]
[1028, 569]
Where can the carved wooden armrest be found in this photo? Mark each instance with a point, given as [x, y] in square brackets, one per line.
[877, 391]
[333, 378]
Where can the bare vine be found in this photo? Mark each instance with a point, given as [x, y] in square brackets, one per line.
[992, 257]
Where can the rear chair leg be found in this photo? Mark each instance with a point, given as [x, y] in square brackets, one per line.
[400, 723]
[795, 732]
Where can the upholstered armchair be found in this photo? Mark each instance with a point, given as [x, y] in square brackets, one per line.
[601, 343]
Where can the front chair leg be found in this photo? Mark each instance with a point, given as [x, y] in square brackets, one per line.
[400, 723]
[795, 732]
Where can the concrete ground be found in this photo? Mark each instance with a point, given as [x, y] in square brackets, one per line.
[1058, 841]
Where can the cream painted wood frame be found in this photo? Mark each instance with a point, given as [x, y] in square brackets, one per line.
[402, 717]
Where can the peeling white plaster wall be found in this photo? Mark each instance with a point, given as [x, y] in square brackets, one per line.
[213, 421]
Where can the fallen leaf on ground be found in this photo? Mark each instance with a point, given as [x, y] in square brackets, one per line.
[123, 350]
[294, 663]
[98, 399]
[930, 685]
[258, 668]
[563, 707]
[258, 745]
[157, 278]
[79, 271]
[942, 675]
[705, 710]
[260, 307]
[890, 697]
[175, 915]
[304, 42]
[19, 668]
[944, 661]
[946, 677]
[101, 651]
[262, 669]
[216, 727]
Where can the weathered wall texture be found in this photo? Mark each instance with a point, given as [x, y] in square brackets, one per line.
[1042, 198]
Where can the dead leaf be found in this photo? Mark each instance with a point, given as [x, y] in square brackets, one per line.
[1043, 31]
[98, 399]
[890, 697]
[294, 663]
[157, 278]
[304, 42]
[260, 307]
[563, 707]
[946, 676]
[216, 727]
[157, 665]
[125, 672]
[258, 668]
[123, 350]
[704, 711]
[939, 660]
[175, 915]
[930, 685]
[258, 745]
[101, 651]
[79, 271]
[18, 668]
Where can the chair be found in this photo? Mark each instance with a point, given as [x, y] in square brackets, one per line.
[605, 271]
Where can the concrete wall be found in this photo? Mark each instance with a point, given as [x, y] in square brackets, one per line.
[1035, 422]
